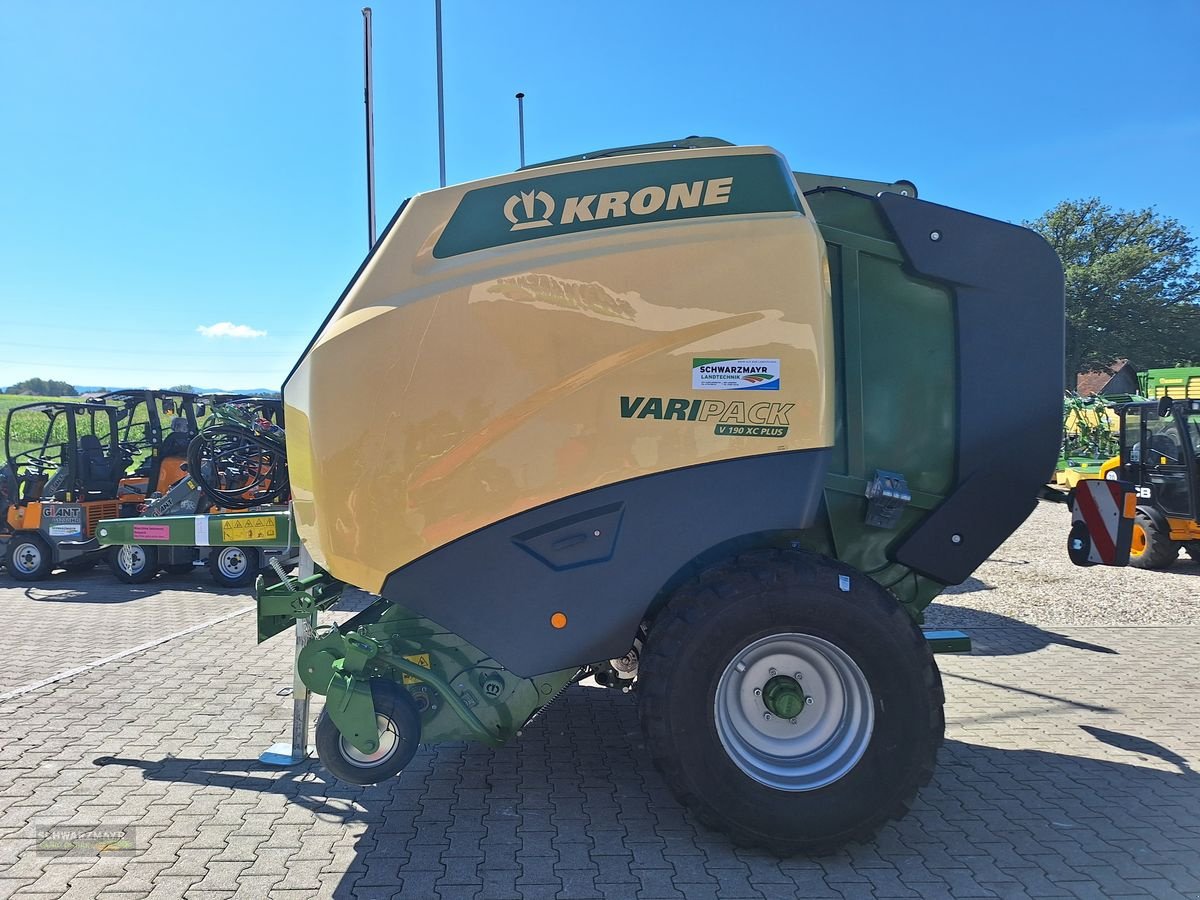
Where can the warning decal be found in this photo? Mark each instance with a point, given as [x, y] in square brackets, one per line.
[258, 528]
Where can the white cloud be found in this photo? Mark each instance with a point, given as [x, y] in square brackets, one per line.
[229, 330]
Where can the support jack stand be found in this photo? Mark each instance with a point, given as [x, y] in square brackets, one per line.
[293, 754]
[299, 750]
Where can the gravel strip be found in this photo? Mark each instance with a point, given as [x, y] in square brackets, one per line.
[1030, 579]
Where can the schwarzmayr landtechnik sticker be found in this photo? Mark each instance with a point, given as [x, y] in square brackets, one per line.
[735, 374]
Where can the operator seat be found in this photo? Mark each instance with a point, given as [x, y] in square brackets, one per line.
[172, 464]
[97, 472]
[176, 443]
[1164, 444]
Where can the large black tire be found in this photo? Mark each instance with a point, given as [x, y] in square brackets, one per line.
[1152, 548]
[233, 567]
[137, 566]
[397, 715]
[711, 624]
[29, 557]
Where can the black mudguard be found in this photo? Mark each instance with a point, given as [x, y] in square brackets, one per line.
[1010, 325]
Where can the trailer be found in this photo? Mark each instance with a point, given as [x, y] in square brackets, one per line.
[236, 547]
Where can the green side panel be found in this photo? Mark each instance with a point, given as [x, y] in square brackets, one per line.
[463, 695]
[281, 604]
[1181, 383]
[908, 374]
[896, 371]
[250, 529]
[348, 702]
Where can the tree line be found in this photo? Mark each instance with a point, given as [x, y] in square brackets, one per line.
[1133, 290]
[43, 387]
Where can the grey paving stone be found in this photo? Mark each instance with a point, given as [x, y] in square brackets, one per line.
[1039, 794]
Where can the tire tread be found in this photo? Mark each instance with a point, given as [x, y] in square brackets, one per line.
[727, 583]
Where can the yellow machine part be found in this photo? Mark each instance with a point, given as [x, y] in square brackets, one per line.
[1180, 529]
[1184, 530]
[1077, 419]
[1071, 476]
[447, 393]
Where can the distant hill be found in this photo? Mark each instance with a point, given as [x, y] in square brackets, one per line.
[42, 387]
[99, 389]
[258, 392]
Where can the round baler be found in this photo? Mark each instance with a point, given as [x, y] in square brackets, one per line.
[680, 420]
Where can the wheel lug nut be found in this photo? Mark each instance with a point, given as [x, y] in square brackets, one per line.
[798, 676]
[758, 692]
[767, 716]
[793, 721]
[808, 701]
[773, 672]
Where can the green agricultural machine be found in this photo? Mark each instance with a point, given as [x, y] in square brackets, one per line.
[1179, 383]
[677, 420]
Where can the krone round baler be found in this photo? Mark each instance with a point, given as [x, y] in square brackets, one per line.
[680, 420]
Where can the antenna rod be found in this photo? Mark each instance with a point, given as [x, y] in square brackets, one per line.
[521, 124]
[369, 100]
[437, 13]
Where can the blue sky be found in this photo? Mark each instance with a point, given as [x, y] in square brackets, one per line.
[172, 166]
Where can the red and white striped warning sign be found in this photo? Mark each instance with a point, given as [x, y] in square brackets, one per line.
[1101, 522]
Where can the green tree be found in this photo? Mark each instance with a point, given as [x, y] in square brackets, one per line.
[184, 388]
[1133, 291]
[43, 387]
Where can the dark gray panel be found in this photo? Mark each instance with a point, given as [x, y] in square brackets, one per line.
[500, 596]
[1008, 286]
[579, 540]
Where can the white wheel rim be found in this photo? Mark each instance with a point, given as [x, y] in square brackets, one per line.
[132, 559]
[232, 562]
[389, 743]
[820, 744]
[27, 557]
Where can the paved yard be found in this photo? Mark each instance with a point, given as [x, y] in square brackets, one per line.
[69, 621]
[1069, 768]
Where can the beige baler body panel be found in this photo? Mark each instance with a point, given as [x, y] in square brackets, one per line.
[446, 394]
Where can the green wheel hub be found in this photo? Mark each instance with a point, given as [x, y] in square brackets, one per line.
[783, 696]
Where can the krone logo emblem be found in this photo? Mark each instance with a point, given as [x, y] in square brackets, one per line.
[526, 204]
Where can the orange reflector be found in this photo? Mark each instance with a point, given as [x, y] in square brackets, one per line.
[1130, 505]
[558, 620]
